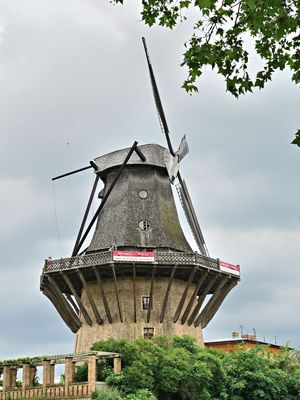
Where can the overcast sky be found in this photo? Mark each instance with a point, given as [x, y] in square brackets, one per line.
[74, 85]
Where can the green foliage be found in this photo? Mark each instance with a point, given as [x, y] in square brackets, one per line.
[81, 373]
[221, 38]
[176, 368]
[142, 394]
[111, 394]
[296, 141]
[115, 394]
[103, 371]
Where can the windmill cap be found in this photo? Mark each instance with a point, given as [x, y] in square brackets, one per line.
[154, 153]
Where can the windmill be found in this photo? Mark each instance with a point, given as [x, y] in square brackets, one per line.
[138, 276]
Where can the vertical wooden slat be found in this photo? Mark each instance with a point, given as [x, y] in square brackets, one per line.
[211, 300]
[90, 297]
[117, 292]
[208, 315]
[151, 294]
[201, 300]
[66, 306]
[78, 299]
[183, 297]
[72, 321]
[193, 298]
[165, 302]
[134, 292]
[105, 303]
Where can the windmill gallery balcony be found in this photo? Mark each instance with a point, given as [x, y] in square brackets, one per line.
[63, 280]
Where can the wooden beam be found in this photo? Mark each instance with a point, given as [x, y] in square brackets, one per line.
[71, 319]
[134, 292]
[90, 297]
[183, 297]
[165, 302]
[206, 318]
[117, 292]
[211, 300]
[201, 300]
[72, 324]
[151, 295]
[87, 210]
[64, 303]
[78, 299]
[74, 305]
[105, 303]
[105, 197]
[193, 298]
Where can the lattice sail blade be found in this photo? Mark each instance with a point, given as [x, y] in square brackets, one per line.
[191, 217]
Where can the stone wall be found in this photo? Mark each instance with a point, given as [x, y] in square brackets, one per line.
[128, 329]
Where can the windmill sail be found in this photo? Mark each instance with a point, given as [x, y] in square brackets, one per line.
[191, 217]
[173, 168]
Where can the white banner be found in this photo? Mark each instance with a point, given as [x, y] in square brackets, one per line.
[230, 268]
[127, 255]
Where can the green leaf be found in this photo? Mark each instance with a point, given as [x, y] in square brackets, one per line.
[296, 141]
[204, 3]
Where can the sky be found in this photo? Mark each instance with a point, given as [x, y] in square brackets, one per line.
[74, 85]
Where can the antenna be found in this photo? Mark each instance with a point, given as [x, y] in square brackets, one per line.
[241, 329]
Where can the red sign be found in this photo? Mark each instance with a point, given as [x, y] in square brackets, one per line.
[232, 269]
[127, 255]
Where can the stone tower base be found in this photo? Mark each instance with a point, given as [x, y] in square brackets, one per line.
[134, 317]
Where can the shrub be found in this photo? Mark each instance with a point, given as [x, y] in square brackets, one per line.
[142, 394]
[167, 368]
[109, 394]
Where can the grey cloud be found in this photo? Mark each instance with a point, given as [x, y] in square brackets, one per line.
[74, 85]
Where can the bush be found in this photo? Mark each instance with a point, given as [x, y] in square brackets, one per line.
[110, 394]
[176, 368]
[143, 394]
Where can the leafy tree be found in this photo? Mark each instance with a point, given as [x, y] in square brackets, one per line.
[176, 368]
[254, 375]
[171, 368]
[228, 34]
[221, 37]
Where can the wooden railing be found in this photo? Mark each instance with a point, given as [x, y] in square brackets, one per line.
[164, 258]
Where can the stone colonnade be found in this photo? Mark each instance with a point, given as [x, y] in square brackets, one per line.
[48, 365]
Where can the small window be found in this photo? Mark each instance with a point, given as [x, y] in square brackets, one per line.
[145, 302]
[143, 194]
[148, 333]
[144, 225]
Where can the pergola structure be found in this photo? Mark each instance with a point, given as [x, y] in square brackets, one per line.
[48, 388]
